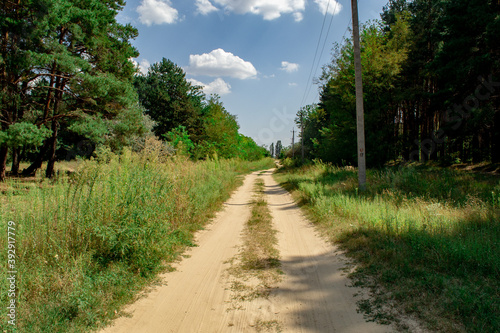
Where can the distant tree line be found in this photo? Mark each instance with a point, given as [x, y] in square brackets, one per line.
[431, 87]
[67, 84]
[197, 125]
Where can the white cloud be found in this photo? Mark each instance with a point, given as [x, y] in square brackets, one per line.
[269, 9]
[218, 86]
[157, 12]
[292, 84]
[298, 16]
[143, 66]
[220, 63]
[289, 67]
[334, 8]
[196, 83]
[123, 19]
[205, 7]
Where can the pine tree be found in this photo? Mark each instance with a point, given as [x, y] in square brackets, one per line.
[169, 99]
[71, 58]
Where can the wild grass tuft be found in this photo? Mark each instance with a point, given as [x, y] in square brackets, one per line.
[428, 236]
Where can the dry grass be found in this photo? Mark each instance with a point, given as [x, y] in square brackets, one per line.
[256, 269]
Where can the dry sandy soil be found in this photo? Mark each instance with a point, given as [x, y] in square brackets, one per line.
[313, 295]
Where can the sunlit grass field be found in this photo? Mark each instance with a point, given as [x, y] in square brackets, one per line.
[88, 242]
[430, 237]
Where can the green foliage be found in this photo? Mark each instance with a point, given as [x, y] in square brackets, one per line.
[169, 99]
[24, 135]
[279, 149]
[220, 135]
[180, 140]
[430, 87]
[127, 128]
[249, 150]
[208, 129]
[330, 127]
[90, 127]
[68, 62]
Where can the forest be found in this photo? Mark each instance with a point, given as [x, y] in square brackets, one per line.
[431, 86]
[68, 84]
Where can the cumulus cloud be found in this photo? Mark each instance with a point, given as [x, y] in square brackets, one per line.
[218, 86]
[143, 66]
[298, 16]
[205, 7]
[269, 9]
[289, 67]
[220, 63]
[334, 8]
[157, 12]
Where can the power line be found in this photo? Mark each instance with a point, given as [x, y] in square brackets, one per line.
[346, 29]
[315, 54]
[316, 60]
[323, 48]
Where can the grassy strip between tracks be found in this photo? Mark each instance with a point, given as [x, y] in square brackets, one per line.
[256, 270]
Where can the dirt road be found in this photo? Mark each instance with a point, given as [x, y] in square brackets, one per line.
[312, 297]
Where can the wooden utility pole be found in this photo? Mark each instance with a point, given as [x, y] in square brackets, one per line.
[359, 98]
[293, 142]
[302, 136]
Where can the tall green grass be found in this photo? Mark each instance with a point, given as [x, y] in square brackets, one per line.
[86, 244]
[429, 236]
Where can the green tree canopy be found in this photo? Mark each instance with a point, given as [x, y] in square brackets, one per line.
[68, 61]
[169, 99]
[430, 71]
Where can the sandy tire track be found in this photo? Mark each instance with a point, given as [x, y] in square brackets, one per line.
[313, 296]
[194, 297]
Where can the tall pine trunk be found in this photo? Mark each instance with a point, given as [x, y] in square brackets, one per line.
[37, 162]
[60, 84]
[49, 172]
[3, 161]
[495, 146]
[14, 170]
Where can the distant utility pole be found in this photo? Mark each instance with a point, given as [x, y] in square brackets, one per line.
[359, 98]
[293, 142]
[302, 135]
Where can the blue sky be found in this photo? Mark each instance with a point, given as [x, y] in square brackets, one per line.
[256, 54]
